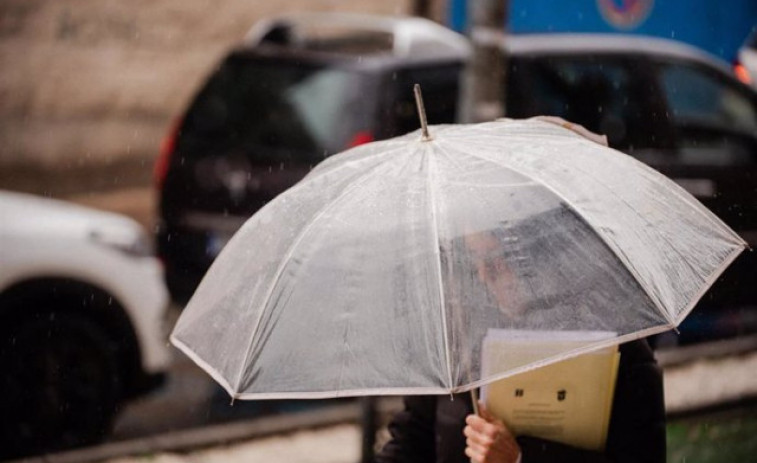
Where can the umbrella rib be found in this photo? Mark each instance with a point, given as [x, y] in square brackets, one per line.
[280, 270]
[673, 321]
[314, 174]
[437, 254]
[568, 202]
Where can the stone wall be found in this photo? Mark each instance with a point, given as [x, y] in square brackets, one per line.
[93, 84]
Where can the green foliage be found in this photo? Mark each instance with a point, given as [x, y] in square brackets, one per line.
[714, 437]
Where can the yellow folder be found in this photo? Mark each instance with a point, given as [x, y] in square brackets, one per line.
[569, 401]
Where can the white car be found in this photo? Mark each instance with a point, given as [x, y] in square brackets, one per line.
[82, 305]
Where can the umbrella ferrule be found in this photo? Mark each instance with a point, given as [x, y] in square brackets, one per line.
[421, 112]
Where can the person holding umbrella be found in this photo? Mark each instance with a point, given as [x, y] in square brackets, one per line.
[443, 429]
[337, 287]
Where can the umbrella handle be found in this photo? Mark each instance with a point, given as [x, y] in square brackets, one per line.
[474, 400]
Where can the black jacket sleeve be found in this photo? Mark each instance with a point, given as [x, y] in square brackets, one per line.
[413, 433]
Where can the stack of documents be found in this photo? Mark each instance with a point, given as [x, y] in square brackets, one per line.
[569, 401]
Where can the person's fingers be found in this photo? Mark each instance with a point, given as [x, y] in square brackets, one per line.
[476, 437]
[479, 450]
[486, 440]
[486, 415]
[479, 424]
[484, 412]
[476, 457]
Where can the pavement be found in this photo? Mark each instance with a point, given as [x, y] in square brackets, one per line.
[708, 377]
[335, 444]
[710, 382]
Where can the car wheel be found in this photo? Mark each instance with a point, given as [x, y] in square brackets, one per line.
[60, 383]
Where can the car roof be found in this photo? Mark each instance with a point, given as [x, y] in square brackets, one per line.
[369, 37]
[559, 43]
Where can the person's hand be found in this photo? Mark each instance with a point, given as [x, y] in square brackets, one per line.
[488, 440]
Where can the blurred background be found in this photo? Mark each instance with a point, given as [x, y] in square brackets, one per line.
[151, 125]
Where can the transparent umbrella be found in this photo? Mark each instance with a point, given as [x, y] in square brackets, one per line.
[382, 271]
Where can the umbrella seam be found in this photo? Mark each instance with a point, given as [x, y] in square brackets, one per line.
[435, 241]
[349, 188]
[316, 174]
[576, 210]
[672, 319]
[214, 373]
[410, 390]
[674, 188]
[709, 281]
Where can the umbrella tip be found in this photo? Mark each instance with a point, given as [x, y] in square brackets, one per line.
[421, 112]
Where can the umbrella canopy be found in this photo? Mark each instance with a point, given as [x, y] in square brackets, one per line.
[382, 271]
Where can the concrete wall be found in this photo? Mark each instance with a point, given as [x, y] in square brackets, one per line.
[88, 84]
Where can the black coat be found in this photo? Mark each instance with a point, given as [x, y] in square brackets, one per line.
[430, 428]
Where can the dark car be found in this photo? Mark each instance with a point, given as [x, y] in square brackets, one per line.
[299, 89]
[676, 109]
[667, 104]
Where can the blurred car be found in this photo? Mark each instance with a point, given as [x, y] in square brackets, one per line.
[672, 106]
[298, 89]
[82, 303]
[746, 63]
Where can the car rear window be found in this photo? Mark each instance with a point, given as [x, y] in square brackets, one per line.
[307, 110]
[702, 97]
[752, 41]
[602, 93]
[715, 118]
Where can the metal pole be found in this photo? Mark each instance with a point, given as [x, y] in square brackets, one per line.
[421, 8]
[368, 425]
[483, 95]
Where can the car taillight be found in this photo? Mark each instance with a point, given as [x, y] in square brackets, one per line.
[167, 148]
[360, 138]
[742, 73]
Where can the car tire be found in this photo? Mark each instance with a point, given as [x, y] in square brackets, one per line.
[60, 383]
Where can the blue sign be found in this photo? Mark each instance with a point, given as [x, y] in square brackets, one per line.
[717, 26]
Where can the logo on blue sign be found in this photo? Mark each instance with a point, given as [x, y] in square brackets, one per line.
[625, 14]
